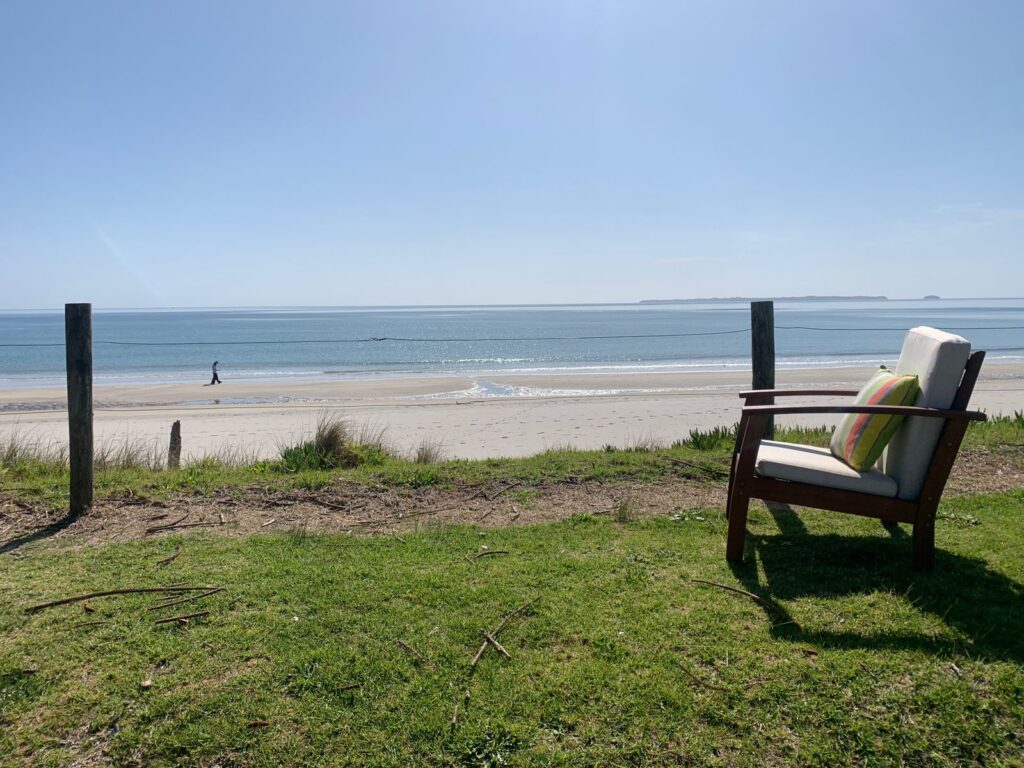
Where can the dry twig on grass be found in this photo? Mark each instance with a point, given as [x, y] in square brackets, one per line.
[496, 645]
[490, 636]
[161, 606]
[155, 528]
[166, 560]
[404, 645]
[271, 521]
[183, 619]
[476, 556]
[162, 528]
[108, 593]
[767, 604]
[465, 705]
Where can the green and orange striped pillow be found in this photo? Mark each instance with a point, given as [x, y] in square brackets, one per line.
[860, 438]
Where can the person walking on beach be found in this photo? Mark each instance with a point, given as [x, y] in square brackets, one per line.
[216, 378]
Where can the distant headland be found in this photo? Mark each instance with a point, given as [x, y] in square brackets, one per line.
[735, 299]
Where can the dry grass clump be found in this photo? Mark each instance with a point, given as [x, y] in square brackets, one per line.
[21, 449]
[429, 451]
[129, 453]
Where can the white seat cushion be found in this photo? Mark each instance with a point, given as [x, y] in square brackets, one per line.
[937, 359]
[817, 466]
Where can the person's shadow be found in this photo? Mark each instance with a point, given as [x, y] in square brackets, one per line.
[983, 607]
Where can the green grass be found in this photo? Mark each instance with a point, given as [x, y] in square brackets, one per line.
[623, 661]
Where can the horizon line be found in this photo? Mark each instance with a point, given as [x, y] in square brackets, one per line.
[639, 302]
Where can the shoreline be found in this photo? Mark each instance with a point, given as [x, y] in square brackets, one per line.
[472, 417]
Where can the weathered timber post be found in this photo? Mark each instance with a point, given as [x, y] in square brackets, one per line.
[762, 353]
[78, 347]
[174, 449]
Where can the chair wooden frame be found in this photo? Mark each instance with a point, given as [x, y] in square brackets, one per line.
[745, 484]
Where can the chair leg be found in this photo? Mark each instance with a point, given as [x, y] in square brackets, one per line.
[737, 511]
[924, 543]
[732, 481]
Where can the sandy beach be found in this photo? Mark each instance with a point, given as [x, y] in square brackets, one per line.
[581, 411]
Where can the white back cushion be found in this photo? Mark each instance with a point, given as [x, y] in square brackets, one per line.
[937, 358]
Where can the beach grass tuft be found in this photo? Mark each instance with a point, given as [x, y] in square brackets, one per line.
[336, 445]
[429, 451]
[714, 439]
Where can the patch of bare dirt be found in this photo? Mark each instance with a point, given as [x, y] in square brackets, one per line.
[364, 510]
[358, 509]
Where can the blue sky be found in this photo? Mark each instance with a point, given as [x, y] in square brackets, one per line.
[344, 153]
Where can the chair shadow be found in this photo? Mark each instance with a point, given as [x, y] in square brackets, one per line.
[985, 609]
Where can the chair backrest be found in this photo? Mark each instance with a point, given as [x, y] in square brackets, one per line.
[938, 360]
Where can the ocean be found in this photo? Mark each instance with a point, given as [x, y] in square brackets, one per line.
[170, 346]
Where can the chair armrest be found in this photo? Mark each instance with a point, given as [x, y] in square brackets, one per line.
[889, 410]
[749, 393]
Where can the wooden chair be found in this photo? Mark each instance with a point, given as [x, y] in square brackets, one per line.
[906, 484]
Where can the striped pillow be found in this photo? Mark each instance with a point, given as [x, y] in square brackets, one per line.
[860, 438]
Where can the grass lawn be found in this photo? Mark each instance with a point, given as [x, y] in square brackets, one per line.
[853, 659]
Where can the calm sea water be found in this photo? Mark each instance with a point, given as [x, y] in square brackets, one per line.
[134, 347]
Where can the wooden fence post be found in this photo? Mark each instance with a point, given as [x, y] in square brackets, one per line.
[762, 353]
[174, 449]
[78, 348]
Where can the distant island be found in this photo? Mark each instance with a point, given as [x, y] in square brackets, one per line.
[931, 297]
[734, 299]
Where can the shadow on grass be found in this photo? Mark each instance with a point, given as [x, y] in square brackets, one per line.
[984, 608]
[47, 530]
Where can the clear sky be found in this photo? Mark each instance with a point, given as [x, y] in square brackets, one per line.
[343, 153]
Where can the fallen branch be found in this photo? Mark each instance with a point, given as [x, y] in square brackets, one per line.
[160, 607]
[166, 560]
[767, 604]
[183, 619]
[271, 521]
[108, 593]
